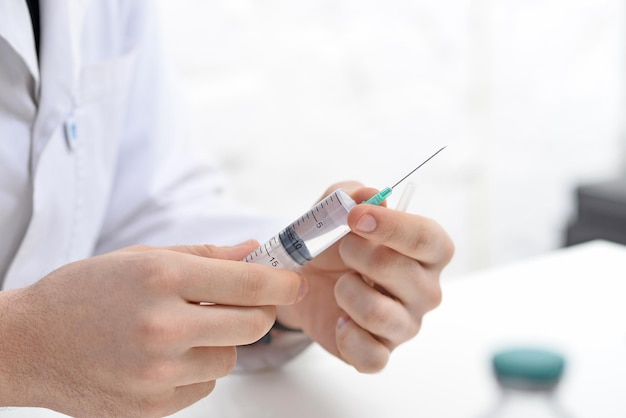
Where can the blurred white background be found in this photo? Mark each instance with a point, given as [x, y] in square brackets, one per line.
[293, 96]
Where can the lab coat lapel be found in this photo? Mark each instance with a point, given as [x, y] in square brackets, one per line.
[14, 17]
[61, 27]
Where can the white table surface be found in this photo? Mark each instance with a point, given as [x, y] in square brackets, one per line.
[572, 300]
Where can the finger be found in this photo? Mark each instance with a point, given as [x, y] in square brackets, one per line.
[178, 327]
[400, 276]
[220, 326]
[204, 364]
[183, 396]
[376, 313]
[359, 348]
[235, 252]
[227, 282]
[243, 284]
[194, 365]
[415, 236]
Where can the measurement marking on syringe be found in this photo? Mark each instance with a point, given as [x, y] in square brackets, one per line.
[340, 202]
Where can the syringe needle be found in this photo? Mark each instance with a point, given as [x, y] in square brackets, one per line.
[416, 168]
[380, 197]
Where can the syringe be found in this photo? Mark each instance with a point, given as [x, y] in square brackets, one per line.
[316, 230]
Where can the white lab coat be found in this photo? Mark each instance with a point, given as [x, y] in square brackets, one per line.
[95, 154]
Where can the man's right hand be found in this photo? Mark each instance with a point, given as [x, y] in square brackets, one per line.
[143, 331]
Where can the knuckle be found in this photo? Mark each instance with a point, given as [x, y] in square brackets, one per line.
[293, 287]
[155, 331]
[209, 250]
[385, 263]
[376, 315]
[448, 249]
[431, 293]
[380, 258]
[421, 240]
[414, 328]
[435, 295]
[361, 349]
[252, 285]
[203, 250]
[391, 232]
[157, 272]
[434, 239]
[342, 290]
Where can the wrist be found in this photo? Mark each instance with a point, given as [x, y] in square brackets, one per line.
[15, 387]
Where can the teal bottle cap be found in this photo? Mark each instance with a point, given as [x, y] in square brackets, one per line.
[531, 368]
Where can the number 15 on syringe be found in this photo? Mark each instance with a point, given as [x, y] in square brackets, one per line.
[316, 230]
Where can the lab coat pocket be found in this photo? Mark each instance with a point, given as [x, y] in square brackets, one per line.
[109, 78]
[100, 111]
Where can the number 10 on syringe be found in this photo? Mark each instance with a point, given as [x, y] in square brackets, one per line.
[316, 230]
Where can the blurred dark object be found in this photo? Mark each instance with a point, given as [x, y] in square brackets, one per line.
[601, 213]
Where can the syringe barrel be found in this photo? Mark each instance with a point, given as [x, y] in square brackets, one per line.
[307, 236]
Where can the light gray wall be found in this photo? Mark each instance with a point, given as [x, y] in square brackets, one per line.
[295, 95]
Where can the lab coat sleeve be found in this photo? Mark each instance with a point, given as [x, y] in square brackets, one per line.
[163, 193]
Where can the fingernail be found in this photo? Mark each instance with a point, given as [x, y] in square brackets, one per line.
[367, 223]
[342, 321]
